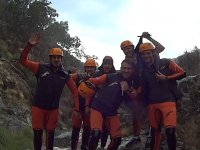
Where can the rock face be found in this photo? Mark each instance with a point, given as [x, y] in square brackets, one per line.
[189, 112]
[15, 100]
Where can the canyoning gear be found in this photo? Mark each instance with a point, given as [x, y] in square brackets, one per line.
[104, 101]
[95, 136]
[83, 101]
[90, 66]
[37, 139]
[85, 137]
[74, 138]
[171, 138]
[167, 114]
[50, 139]
[112, 123]
[146, 47]
[90, 62]
[161, 91]
[78, 122]
[105, 68]
[50, 86]
[44, 119]
[86, 89]
[51, 79]
[126, 43]
[49, 83]
[56, 51]
[115, 142]
[104, 136]
[160, 99]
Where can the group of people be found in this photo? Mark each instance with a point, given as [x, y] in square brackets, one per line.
[143, 79]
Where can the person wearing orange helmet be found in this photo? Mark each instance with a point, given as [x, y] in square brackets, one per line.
[86, 90]
[132, 52]
[160, 93]
[51, 79]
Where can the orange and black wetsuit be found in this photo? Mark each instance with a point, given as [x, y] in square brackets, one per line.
[46, 99]
[161, 100]
[100, 72]
[104, 109]
[83, 121]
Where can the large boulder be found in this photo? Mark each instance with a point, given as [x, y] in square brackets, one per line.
[189, 112]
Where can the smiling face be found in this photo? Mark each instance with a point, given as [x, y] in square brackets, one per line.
[147, 57]
[90, 70]
[128, 50]
[56, 60]
[127, 70]
[107, 67]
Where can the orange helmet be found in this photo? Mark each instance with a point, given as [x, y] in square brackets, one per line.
[125, 44]
[146, 46]
[86, 89]
[56, 51]
[90, 63]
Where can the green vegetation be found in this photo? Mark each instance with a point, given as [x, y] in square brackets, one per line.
[190, 61]
[17, 140]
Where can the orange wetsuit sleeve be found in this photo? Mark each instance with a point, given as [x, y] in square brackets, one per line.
[98, 80]
[176, 70]
[72, 87]
[33, 66]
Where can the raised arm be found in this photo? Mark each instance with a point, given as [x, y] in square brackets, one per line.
[98, 80]
[158, 47]
[33, 66]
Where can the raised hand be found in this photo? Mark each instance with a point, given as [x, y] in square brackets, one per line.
[34, 39]
[146, 35]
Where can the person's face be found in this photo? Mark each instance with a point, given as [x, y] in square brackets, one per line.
[128, 50]
[56, 60]
[90, 70]
[147, 56]
[126, 70]
[107, 67]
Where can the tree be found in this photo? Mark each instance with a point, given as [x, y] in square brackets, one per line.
[190, 61]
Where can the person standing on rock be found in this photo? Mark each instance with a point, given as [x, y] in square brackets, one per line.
[115, 88]
[84, 105]
[136, 106]
[106, 67]
[51, 79]
[160, 93]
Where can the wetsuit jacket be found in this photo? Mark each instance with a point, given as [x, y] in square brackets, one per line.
[78, 78]
[49, 84]
[159, 91]
[109, 97]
